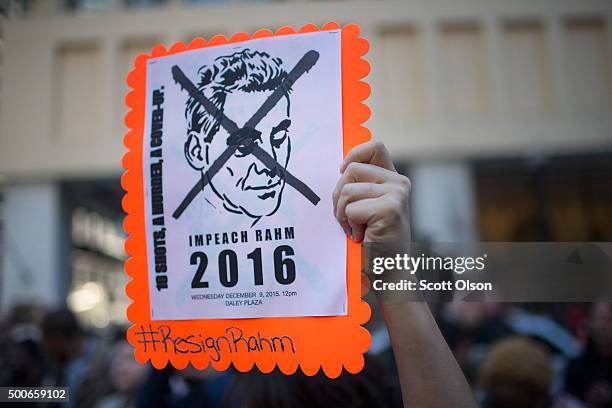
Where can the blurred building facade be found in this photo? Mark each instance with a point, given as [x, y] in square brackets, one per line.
[499, 110]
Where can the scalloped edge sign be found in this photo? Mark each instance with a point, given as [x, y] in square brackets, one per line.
[311, 343]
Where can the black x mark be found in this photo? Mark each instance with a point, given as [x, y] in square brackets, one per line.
[304, 65]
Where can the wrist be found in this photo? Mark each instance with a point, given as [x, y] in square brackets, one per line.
[379, 260]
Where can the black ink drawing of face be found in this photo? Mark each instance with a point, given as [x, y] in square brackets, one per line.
[238, 85]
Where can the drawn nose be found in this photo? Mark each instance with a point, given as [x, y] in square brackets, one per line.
[260, 169]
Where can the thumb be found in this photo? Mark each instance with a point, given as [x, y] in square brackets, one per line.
[357, 230]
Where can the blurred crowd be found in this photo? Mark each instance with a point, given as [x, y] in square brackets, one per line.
[514, 356]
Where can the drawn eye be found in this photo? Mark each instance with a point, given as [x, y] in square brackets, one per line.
[278, 139]
[279, 133]
[244, 150]
[245, 139]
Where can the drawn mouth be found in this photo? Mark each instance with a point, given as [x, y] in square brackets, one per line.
[267, 195]
[266, 187]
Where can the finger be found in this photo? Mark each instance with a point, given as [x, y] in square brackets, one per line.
[357, 191]
[357, 231]
[359, 213]
[372, 152]
[365, 213]
[369, 173]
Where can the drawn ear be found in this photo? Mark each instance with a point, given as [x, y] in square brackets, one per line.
[205, 75]
[194, 151]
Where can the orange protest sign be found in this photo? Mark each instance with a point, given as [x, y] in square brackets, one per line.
[288, 310]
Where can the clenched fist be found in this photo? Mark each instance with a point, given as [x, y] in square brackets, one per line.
[371, 197]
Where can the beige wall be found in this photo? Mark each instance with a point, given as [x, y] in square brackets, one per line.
[450, 78]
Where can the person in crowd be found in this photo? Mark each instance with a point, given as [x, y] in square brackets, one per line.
[542, 322]
[470, 328]
[22, 363]
[187, 388]
[589, 376]
[76, 360]
[126, 376]
[375, 386]
[516, 373]
[21, 356]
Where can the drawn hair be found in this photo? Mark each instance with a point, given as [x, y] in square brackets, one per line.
[244, 70]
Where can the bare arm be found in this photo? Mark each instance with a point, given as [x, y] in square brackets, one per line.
[371, 204]
[429, 374]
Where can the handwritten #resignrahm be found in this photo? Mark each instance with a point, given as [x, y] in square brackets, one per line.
[234, 341]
